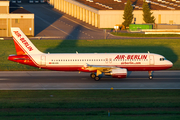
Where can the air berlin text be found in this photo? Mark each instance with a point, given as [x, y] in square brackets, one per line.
[131, 57]
[23, 41]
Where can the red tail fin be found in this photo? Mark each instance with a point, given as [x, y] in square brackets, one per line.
[19, 51]
[22, 43]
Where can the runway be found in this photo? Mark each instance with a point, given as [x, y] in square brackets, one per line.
[55, 80]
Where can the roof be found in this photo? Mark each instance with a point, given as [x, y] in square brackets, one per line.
[18, 10]
[14, 8]
[137, 4]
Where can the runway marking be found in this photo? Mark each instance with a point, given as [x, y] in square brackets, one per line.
[4, 79]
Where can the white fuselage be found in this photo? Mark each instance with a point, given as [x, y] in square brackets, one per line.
[131, 61]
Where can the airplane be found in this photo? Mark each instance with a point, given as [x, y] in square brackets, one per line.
[117, 65]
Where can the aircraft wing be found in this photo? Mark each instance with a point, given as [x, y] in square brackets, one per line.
[100, 69]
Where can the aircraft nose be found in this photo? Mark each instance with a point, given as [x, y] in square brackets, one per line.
[170, 64]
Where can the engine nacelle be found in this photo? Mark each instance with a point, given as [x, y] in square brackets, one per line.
[119, 73]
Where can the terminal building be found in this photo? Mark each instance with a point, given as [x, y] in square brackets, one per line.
[108, 13]
[11, 15]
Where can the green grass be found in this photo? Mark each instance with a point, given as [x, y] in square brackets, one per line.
[101, 117]
[88, 104]
[144, 35]
[166, 47]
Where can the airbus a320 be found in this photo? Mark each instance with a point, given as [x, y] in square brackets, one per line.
[117, 65]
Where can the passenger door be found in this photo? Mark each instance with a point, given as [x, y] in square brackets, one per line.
[151, 60]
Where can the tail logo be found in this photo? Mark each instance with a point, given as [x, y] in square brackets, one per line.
[23, 40]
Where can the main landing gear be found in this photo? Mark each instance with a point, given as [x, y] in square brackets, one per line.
[150, 75]
[97, 78]
[93, 76]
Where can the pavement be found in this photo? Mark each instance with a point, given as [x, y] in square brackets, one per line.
[55, 80]
[50, 23]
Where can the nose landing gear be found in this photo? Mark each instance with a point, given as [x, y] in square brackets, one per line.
[150, 75]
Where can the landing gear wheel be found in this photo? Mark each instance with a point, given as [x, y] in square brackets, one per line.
[92, 75]
[150, 77]
[97, 78]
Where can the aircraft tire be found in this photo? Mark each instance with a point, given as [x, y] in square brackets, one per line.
[92, 75]
[97, 78]
[150, 77]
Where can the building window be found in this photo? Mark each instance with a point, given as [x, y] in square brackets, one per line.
[16, 20]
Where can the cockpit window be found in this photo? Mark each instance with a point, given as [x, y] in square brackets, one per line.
[162, 59]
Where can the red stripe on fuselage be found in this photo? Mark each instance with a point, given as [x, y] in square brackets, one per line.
[145, 67]
[128, 67]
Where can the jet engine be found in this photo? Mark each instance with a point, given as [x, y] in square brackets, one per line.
[119, 73]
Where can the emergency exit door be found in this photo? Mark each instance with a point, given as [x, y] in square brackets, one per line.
[43, 60]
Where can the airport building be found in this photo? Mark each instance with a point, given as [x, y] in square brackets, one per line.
[28, 1]
[108, 13]
[11, 15]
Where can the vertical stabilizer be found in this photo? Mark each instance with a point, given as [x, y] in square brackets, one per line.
[23, 45]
